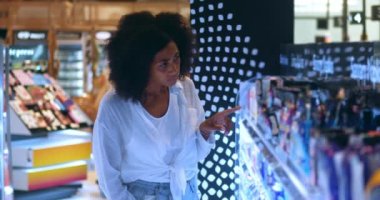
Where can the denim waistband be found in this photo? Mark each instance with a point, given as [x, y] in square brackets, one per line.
[162, 191]
[149, 184]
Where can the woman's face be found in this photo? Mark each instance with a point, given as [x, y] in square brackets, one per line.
[164, 70]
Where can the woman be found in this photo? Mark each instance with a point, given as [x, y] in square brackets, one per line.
[150, 132]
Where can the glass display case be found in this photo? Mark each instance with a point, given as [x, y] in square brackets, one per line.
[41, 117]
[71, 72]
[303, 138]
[40, 105]
[269, 166]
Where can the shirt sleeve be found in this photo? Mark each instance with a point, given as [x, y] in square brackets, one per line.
[203, 146]
[108, 157]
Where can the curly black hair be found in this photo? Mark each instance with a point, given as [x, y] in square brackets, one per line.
[139, 37]
[178, 28]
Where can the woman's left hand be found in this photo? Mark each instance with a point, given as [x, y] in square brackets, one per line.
[218, 122]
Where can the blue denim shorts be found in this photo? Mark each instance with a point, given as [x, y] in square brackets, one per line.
[143, 190]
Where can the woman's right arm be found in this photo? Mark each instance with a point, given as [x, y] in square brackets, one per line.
[107, 154]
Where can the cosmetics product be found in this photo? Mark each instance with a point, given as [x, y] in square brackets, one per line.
[69, 104]
[23, 77]
[29, 120]
[23, 94]
[40, 120]
[12, 80]
[50, 79]
[58, 105]
[40, 79]
[18, 106]
[36, 92]
[252, 102]
[53, 122]
[78, 116]
[65, 120]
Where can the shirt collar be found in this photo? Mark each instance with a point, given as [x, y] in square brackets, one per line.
[177, 87]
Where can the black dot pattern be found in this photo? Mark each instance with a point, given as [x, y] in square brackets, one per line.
[226, 56]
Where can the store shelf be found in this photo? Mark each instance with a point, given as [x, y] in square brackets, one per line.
[38, 152]
[40, 105]
[269, 159]
[69, 61]
[251, 184]
[47, 155]
[285, 173]
[29, 179]
[70, 75]
[54, 193]
[71, 71]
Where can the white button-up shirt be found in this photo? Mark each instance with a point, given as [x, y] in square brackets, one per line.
[129, 146]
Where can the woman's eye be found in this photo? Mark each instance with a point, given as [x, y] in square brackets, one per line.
[163, 65]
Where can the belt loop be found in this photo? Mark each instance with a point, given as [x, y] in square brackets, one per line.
[157, 189]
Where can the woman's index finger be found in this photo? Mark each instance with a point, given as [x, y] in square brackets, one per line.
[230, 111]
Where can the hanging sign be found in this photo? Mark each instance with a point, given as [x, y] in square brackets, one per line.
[356, 18]
[375, 14]
[31, 35]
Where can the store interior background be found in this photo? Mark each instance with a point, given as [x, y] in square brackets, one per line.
[237, 40]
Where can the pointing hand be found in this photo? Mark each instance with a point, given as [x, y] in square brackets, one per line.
[218, 122]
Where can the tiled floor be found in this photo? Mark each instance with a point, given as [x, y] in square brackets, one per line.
[89, 191]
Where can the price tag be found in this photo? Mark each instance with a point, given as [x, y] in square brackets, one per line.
[317, 65]
[328, 67]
